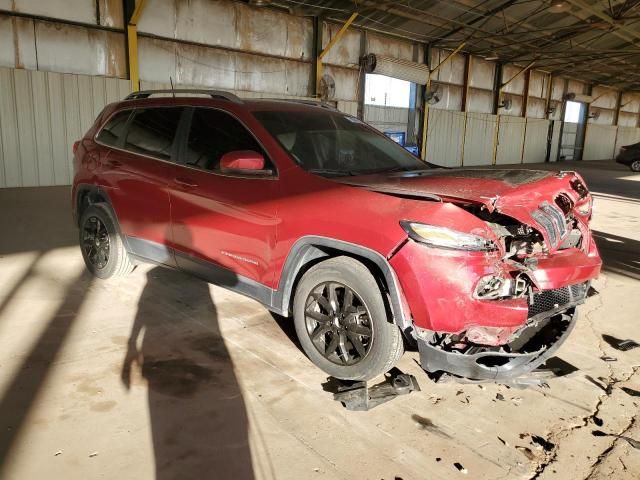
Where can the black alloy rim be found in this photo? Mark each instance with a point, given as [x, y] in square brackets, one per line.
[338, 323]
[95, 242]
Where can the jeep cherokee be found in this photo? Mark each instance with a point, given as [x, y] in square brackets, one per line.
[320, 217]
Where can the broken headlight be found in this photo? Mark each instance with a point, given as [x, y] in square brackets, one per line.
[442, 237]
[585, 206]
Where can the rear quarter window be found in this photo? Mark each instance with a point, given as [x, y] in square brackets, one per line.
[114, 129]
[152, 130]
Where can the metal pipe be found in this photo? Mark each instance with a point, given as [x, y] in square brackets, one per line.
[330, 45]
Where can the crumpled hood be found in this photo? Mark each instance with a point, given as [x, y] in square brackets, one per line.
[516, 193]
[492, 188]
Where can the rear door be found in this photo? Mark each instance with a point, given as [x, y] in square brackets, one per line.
[223, 225]
[136, 173]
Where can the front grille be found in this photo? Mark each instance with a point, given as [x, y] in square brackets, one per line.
[555, 299]
[553, 221]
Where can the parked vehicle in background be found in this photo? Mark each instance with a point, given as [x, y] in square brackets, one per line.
[630, 156]
[320, 217]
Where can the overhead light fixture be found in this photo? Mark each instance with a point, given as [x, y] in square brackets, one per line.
[492, 56]
[559, 6]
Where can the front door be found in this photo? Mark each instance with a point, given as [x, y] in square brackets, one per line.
[223, 226]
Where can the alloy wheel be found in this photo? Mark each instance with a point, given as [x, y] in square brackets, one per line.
[338, 323]
[95, 242]
[635, 166]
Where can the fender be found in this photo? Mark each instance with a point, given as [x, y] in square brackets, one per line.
[312, 247]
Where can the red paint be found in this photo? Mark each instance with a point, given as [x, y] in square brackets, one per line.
[250, 223]
[241, 160]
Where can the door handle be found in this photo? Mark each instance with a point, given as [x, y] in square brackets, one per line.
[185, 182]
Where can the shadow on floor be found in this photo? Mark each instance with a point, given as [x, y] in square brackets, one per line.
[23, 389]
[619, 254]
[198, 418]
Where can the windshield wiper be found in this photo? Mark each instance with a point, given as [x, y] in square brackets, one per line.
[328, 171]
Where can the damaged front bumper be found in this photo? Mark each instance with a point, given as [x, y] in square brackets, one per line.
[552, 316]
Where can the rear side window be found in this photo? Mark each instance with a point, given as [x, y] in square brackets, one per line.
[113, 130]
[214, 133]
[152, 130]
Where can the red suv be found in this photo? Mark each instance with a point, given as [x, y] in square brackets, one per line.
[321, 218]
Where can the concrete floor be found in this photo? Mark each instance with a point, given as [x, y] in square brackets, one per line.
[223, 391]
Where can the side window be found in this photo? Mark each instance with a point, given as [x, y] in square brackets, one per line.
[113, 130]
[214, 133]
[152, 130]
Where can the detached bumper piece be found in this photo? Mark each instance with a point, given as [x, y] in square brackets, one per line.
[358, 396]
[552, 316]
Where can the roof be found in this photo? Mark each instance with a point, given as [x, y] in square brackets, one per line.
[592, 40]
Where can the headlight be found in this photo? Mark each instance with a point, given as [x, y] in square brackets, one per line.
[442, 237]
[584, 206]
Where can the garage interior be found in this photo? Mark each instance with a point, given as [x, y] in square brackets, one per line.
[551, 85]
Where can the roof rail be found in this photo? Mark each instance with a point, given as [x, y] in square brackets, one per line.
[317, 103]
[217, 94]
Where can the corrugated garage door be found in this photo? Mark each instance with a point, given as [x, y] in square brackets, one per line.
[41, 115]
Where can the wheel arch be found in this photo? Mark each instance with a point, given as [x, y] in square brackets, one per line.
[310, 250]
[87, 194]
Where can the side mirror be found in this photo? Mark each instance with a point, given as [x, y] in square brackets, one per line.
[242, 161]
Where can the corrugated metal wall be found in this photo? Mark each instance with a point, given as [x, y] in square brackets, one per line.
[445, 137]
[600, 142]
[41, 115]
[510, 140]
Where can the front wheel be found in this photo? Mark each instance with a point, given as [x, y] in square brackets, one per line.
[635, 166]
[342, 323]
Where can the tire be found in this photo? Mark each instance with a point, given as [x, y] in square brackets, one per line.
[98, 223]
[635, 166]
[347, 284]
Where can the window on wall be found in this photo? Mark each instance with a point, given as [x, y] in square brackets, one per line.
[573, 112]
[386, 91]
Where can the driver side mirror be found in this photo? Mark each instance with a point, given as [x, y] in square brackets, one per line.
[243, 161]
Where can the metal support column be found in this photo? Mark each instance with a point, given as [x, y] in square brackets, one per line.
[132, 43]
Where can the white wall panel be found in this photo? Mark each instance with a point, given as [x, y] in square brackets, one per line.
[626, 136]
[445, 138]
[41, 115]
[599, 142]
[510, 140]
[478, 139]
[535, 141]
[83, 11]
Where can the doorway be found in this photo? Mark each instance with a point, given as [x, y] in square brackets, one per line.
[573, 131]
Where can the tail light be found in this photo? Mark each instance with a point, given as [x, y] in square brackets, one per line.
[76, 144]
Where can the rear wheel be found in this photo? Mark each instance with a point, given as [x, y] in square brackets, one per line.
[341, 321]
[635, 166]
[103, 252]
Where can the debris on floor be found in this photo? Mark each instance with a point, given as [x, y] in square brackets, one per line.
[358, 396]
[618, 344]
[460, 468]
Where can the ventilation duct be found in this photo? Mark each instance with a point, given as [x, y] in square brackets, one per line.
[396, 68]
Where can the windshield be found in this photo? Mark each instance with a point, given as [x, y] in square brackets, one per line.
[332, 143]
